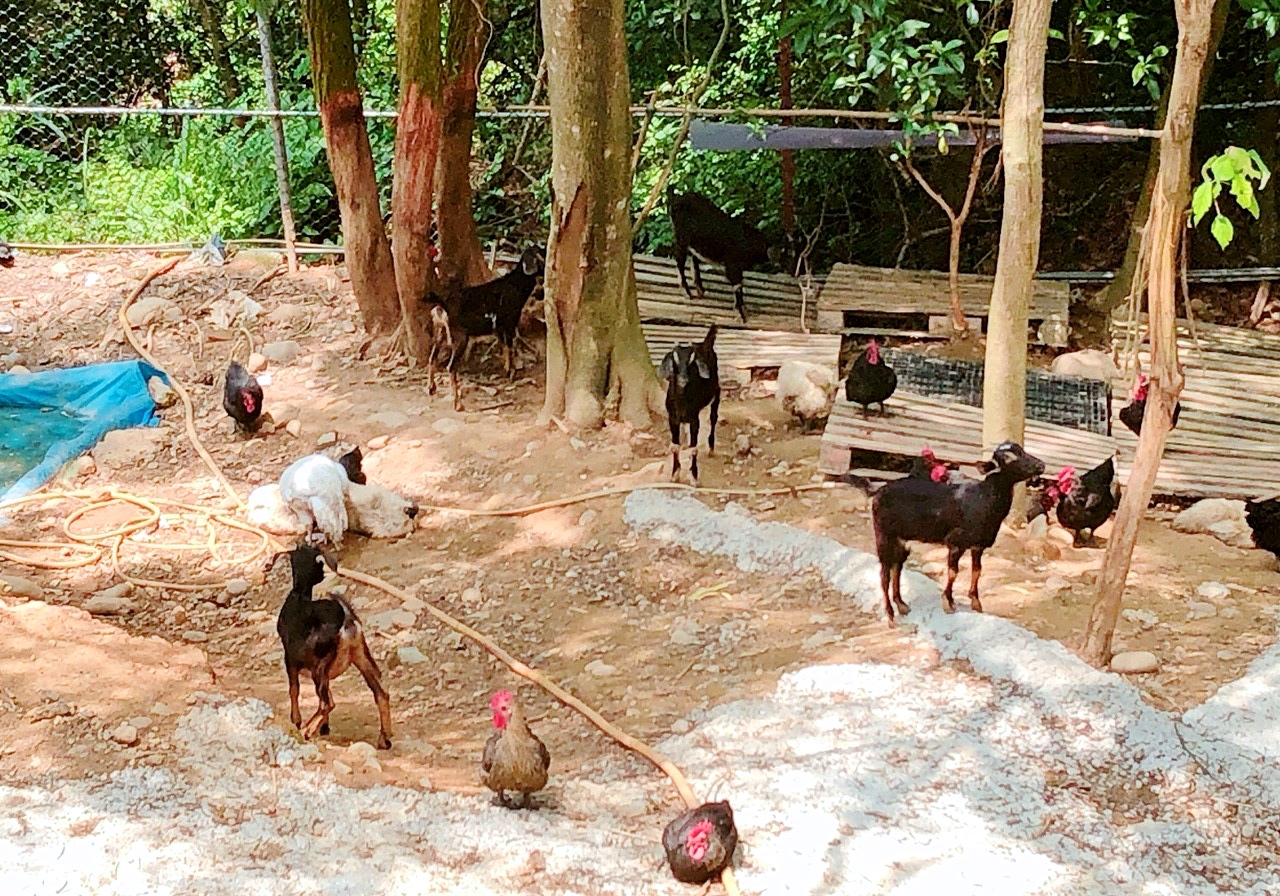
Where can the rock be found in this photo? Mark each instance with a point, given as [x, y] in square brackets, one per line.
[387, 419]
[195, 637]
[341, 767]
[361, 754]
[1089, 363]
[410, 656]
[1213, 591]
[60, 269]
[161, 709]
[446, 425]
[293, 428]
[325, 439]
[83, 466]
[1133, 662]
[55, 710]
[933, 568]
[20, 587]
[1219, 517]
[600, 669]
[1061, 536]
[685, 633]
[281, 353]
[142, 723]
[1055, 585]
[128, 449]
[377, 443]
[588, 517]
[389, 619]
[125, 735]
[289, 315]
[257, 362]
[161, 392]
[1142, 618]
[1037, 528]
[577, 444]
[472, 595]
[19, 369]
[681, 726]
[110, 602]
[742, 445]
[820, 639]
[237, 587]
[153, 310]
[1198, 609]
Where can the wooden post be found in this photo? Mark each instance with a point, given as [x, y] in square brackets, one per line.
[262, 9]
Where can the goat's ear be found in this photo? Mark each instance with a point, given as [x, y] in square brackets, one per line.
[668, 368]
[710, 341]
[329, 557]
[271, 561]
[986, 466]
[704, 368]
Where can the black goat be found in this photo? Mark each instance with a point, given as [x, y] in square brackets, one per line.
[963, 516]
[324, 638]
[693, 382]
[712, 234]
[487, 309]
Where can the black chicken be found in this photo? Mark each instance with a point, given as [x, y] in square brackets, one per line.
[1263, 518]
[927, 466]
[1131, 415]
[700, 843]
[6, 255]
[242, 398]
[871, 380]
[1086, 502]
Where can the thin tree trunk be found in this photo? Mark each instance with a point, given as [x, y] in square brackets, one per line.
[1267, 139]
[212, 27]
[416, 151]
[333, 73]
[461, 257]
[1004, 391]
[262, 11]
[1117, 291]
[594, 344]
[1164, 230]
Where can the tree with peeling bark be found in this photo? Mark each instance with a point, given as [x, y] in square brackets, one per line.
[596, 354]
[333, 75]
[1004, 390]
[1163, 238]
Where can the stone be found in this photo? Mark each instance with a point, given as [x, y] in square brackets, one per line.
[1213, 591]
[161, 392]
[377, 443]
[1198, 609]
[1142, 618]
[128, 449]
[1088, 363]
[325, 439]
[820, 639]
[1134, 662]
[152, 310]
[472, 595]
[257, 362]
[446, 425]
[289, 315]
[19, 369]
[600, 669]
[20, 587]
[361, 753]
[390, 619]
[410, 655]
[742, 445]
[294, 428]
[685, 633]
[195, 637]
[1055, 585]
[55, 710]
[142, 723]
[83, 465]
[237, 587]
[577, 444]
[388, 419]
[341, 767]
[281, 353]
[111, 602]
[587, 518]
[681, 726]
[125, 735]
[161, 709]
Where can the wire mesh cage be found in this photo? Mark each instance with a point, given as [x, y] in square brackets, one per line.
[1068, 401]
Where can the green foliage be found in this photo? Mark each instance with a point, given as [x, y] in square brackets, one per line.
[1237, 169]
[1125, 33]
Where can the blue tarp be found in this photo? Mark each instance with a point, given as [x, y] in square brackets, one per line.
[50, 417]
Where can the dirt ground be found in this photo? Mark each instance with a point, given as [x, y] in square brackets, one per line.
[645, 632]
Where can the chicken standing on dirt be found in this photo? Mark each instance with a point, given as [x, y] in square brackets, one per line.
[1086, 502]
[514, 758]
[323, 637]
[242, 398]
[700, 843]
[870, 380]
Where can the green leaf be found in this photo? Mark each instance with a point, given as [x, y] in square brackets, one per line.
[1000, 37]
[1222, 230]
[971, 14]
[1222, 167]
[1201, 201]
[1053, 33]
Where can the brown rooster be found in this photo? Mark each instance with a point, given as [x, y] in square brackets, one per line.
[700, 843]
[514, 758]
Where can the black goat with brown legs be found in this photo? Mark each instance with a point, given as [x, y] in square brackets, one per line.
[692, 375]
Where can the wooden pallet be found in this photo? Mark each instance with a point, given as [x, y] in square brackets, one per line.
[773, 300]
[742, 351]
[886, 291]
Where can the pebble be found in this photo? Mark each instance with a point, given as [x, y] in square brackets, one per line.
[341, 767]
[54, 710]
[125, 735]
[362, 753]
[388, 419]
[256, 363]
[293, 428]
[472, 595]
[161, 709]
[685, 633]
[325, 439]
[600, 669]
[107, 603]
[237, 587]
[389, 619]
[377, 443]
[20, 587]
[1199, 609]
[1213, 591]
[681, 726]
[195, 637]
[1132, 662]
[1142, 618]
[161, 393]
[410, 656]
[577, 444]
[446, 425]
[820, 639]
[282, 352]
[588, 517]
[142, 723]
[742, 445]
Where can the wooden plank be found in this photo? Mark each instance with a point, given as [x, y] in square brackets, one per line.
[773, 301]
[888, 291]
[747, 349]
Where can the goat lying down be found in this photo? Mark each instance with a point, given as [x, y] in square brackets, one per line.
[964, 516]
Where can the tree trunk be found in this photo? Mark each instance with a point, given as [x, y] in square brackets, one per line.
[333, 73]
[461, 258]
[416, 150]
[1164, 230]
[212, 26]
[1117, 291]
[594, 344]
[1266, 136]
[262, 11]
[1004, 391]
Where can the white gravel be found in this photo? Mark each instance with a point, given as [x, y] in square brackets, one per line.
[1030, 774]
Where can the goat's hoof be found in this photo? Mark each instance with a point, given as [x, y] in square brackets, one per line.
[903, 609]
[890, 622]
[975, 604]
[384, 742]
[948, 606]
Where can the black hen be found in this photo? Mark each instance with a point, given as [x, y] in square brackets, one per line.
[353, 463]
[1131, 414]
[1263, 518]
[700, 843]
[6, 255]
[1086, 502]
[242, 398]
[871, 380]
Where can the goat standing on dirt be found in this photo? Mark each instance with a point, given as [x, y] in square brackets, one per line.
[964, 516]
[324, 638]
[712, 234]
[487, 309]
[693, 382]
